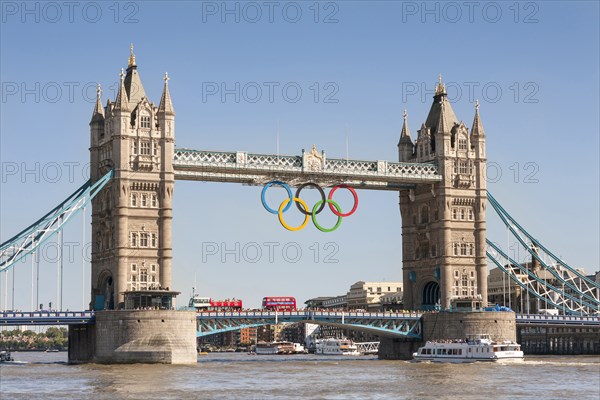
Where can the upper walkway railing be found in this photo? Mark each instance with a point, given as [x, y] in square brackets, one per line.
[258, 169]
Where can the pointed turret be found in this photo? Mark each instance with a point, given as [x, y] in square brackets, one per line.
[405, 134]
[446, 118]
[133, 83]
[122, 100]
[477, 129]
[405, 146]
[165, 105]
[98, 114]
[441, 112]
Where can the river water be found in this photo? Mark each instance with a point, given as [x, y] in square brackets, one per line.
[241, 376]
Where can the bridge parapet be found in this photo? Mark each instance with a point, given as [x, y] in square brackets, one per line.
[535, 319]
[46, 317]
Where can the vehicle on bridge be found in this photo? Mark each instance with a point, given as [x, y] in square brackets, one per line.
[272, 303]
[207, 304]
[474, 348]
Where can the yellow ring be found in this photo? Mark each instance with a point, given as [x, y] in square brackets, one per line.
[306, 217]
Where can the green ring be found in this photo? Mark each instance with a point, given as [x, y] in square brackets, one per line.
[314, 216]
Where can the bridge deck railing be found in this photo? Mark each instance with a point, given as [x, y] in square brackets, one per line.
[46, 314]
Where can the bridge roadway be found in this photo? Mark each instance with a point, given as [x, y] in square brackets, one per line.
[388, 324]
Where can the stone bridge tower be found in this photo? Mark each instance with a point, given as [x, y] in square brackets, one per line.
[131, 217]
[443, 225]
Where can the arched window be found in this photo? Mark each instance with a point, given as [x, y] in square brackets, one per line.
[454, 213]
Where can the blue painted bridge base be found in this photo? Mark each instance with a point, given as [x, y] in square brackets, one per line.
[387, 324]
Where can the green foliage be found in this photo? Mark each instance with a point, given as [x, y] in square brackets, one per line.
[53, 338]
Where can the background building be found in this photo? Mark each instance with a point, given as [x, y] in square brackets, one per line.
[366, 295]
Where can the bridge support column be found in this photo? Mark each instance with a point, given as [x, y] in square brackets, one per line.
[117, 337]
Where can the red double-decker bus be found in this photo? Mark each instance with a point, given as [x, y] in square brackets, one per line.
[208, 304]
[273, 303]
[225, 305]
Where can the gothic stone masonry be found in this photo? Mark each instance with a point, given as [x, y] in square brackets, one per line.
[443, 224]
[131, 218]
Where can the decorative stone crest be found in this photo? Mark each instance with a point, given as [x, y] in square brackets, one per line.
[314, 162]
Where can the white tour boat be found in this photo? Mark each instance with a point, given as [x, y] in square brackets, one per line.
[474, 348]
[263, 348]
[336, 347]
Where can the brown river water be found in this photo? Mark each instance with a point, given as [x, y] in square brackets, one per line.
[242, 376]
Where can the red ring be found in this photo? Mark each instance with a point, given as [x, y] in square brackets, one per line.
[354, 194]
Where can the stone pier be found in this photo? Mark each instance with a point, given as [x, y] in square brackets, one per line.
[163, 336]
[451, 325]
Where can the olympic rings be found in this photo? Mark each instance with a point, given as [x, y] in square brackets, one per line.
[303, 207]
[321, 192]
[338, 212]
[331, 204]
[306, 217]
[264, 201]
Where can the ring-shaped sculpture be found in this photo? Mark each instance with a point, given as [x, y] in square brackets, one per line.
[281, 211]
[331, 204]
[283, 185]
[321, 192]
[338, 212]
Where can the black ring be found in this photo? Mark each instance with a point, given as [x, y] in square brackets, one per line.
[310, 208]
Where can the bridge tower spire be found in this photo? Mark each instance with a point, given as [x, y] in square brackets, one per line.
[132, 216]
[443, 224]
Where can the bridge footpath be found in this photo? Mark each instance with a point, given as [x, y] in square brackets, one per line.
[538, 334]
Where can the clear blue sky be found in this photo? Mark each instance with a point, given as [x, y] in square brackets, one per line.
[534, 68]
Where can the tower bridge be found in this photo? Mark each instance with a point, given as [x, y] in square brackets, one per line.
[440, 178]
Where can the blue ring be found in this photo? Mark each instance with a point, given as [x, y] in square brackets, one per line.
[264, 201]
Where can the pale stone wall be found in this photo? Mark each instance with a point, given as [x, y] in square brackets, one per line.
[163, 336]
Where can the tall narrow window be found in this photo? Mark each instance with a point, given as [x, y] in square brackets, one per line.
[154, 200]
[154, 149]
[153, 240]
[143, 275]
[145, 148]
[144, 201]
[145, 121]
[143, 239]
[133, 200]
[134, 238]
